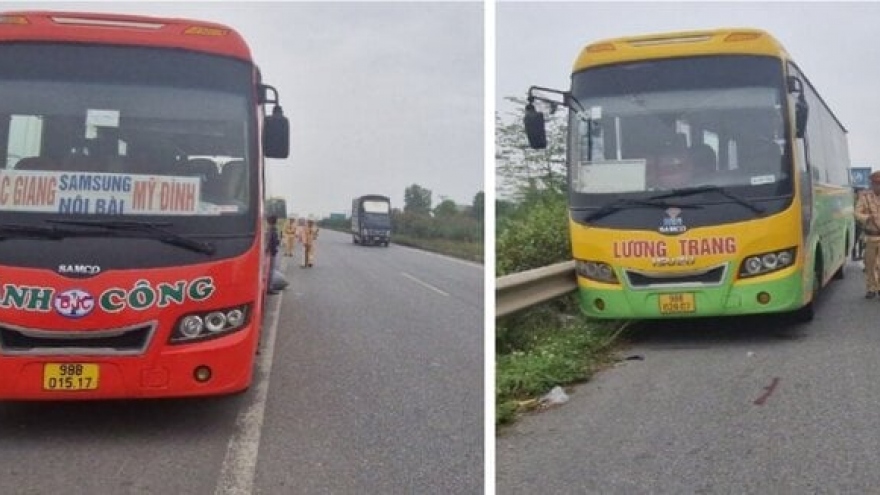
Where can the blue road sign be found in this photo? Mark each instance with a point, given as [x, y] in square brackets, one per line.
[858, 176]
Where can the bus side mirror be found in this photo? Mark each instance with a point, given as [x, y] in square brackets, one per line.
[535, 128]
[801, 109]
[795, 85]
[276, 134]
[801, 113]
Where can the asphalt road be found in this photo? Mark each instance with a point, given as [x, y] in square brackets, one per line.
[750, 405]
[372, 382]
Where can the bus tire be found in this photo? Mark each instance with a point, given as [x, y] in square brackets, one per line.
[805, 314]
[808, 312]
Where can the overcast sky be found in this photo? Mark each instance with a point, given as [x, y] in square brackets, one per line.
[834, 43]
[379, 95]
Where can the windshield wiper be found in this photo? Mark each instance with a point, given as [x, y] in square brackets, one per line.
[625, 203]
[14, 230]
[690, 191]
[155, 230]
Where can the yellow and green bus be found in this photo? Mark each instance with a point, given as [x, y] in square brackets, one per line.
[707, 177]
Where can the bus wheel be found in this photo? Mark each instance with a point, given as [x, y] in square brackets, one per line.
[808, 312]
[805, 314]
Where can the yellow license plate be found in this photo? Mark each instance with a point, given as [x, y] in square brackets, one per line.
[677, 303]
[70, 376]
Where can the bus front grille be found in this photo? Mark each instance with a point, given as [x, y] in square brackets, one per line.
[131, 340]
[705, 277]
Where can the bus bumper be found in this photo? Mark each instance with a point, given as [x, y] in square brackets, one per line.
[779, 295]
[164, 371]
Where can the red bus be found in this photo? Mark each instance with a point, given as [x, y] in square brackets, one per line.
[132, 247]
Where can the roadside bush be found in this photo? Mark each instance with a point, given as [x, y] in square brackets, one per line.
[535, 235]
[453, 227]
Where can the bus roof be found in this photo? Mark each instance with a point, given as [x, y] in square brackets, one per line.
[726, 41]
[118, 29]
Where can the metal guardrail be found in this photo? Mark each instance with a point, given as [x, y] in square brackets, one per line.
[524, 289]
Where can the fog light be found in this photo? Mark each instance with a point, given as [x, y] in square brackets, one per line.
[202, 374]
[600, 304]
[763, 297]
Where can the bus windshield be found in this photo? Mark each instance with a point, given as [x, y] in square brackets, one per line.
[84, 138]
[676, 123]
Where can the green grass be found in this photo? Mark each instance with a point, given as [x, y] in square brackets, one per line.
[549, 345]
[471, 251]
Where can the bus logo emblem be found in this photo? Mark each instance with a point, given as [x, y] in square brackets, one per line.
[673, 223]
[78, 270]
[74, 303]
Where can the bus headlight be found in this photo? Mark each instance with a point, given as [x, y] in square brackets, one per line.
[770, 260]
[208, 324]
[215, 321]
[235, 317]
[785, 257]
[596, 270]
[753, 265]
[191, 326]
[763, 263]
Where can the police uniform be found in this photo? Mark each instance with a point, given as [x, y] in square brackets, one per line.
[868, 215]
[308, 236]
[290, 237]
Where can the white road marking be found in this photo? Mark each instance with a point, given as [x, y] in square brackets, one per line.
[240, 464]
[424, 284]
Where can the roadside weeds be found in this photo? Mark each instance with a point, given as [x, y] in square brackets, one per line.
[550, 345]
